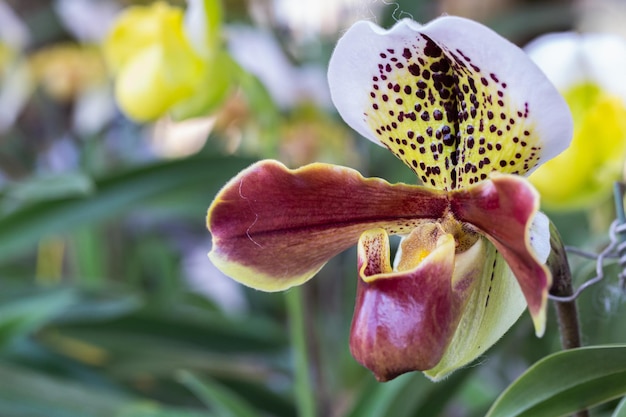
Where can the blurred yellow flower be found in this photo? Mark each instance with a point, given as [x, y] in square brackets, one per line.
[5, 56]
[168, 60]
[65, 71]
[586, 69]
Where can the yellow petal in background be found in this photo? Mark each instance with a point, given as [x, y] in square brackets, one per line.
[138, 28]
[168, 60]
[144, 90]
[583, 175]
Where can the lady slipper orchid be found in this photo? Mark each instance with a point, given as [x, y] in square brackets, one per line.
[584, 68]
[464, 109]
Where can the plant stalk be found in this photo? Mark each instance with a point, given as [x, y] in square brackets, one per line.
[566, 312]
[305, 396]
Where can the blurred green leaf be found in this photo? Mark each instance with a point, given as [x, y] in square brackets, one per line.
[527, 21]
[263, 395]
[225, 402]
[620, 411]
[376, 399]
[157, 343]
[89, 256]
[440, 394]
[100, 306]
[153, 329]
[52, 186]
[565, 382]
[153, 410]
[410, 395]
[113, 195]
[24, 312]
[27, 393]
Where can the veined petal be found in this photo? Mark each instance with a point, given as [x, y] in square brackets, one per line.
[274, 228]
[504, 209]
[452, 99]
[404, 320]
[494, 305]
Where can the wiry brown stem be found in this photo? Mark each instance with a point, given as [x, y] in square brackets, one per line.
[566, 312]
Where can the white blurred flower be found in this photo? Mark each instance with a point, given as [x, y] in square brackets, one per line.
[93, 109]
[176, 139]
[15, 79]
[570, 59]
[308, 19]
[13, 31]
[259, 53]
[602, 15]
[88, 20]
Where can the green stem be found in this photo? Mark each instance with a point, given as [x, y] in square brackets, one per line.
[305, 397]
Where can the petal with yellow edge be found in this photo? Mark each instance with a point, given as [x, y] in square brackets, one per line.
[274, 227]
[403, 320]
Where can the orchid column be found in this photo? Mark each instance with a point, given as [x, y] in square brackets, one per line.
[469, 113]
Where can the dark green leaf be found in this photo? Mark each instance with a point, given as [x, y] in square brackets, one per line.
[620, 411]
[565, 382]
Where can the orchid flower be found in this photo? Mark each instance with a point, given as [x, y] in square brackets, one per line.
[465, 110]
[584, 68]
[167, 60]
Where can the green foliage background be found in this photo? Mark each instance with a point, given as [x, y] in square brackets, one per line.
[97, 316]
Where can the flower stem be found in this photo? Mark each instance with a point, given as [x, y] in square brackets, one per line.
[305, 397]
[566, 312]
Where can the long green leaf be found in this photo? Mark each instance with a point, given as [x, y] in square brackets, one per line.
[565, 382]
[114, 194]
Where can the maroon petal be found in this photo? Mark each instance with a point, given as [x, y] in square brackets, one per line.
[274, 227]
[403, 321]
[503, 208]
